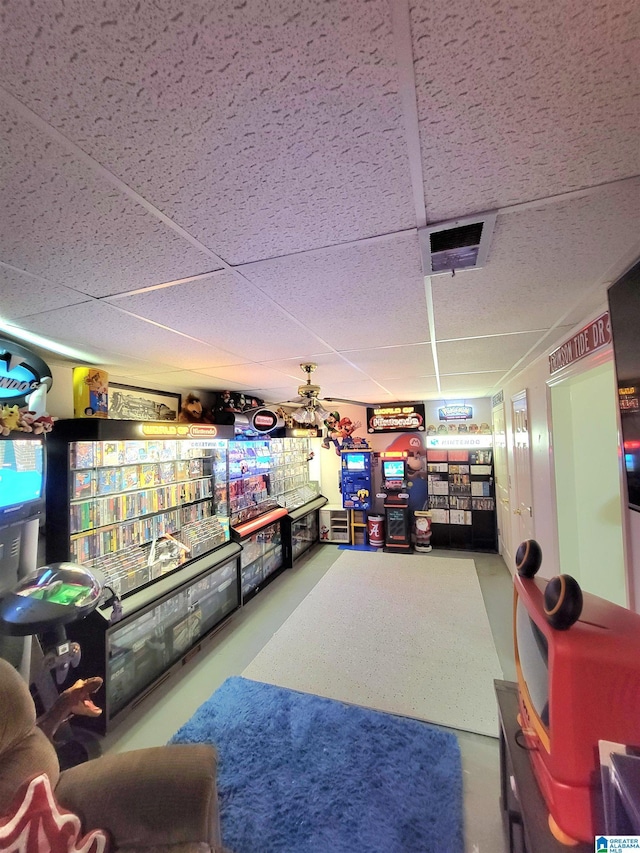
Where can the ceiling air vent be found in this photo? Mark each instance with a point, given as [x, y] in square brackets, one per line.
[460, 244]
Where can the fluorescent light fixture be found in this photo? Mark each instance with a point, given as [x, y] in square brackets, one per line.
[43, 343]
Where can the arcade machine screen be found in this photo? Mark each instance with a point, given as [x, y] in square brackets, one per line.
[355, 462]
[393, 469]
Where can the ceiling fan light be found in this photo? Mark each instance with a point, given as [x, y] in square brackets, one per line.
[321, 414]
[303, 415]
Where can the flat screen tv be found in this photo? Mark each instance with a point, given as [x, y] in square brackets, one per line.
[393, 469]
[575, 687]
[22, 473]
[624, 311]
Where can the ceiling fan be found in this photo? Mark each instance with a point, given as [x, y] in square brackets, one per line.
[311, 410]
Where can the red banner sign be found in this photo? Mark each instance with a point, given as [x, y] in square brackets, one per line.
[589, 339]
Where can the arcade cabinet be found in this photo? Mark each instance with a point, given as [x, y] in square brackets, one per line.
[396, 502]
[356, 478]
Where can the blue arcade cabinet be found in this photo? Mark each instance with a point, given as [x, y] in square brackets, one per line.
[355, 465]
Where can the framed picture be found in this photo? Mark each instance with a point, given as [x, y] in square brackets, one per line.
[127, 403]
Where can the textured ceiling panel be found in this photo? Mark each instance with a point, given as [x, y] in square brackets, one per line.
[497, 353]
[331, 368]
[410, 388]
[353, 297]
[250, 375]
[465, 386]
[263, 128]
[62, 222]
[542, 263]
[524, 101]
[22, 294]
[180, 381]
[100, 324]
[394, 362]
[229, 313]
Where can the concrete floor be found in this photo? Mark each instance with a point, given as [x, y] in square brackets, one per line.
[238, 642]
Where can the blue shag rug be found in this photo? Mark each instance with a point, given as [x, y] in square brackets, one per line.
[303, 774]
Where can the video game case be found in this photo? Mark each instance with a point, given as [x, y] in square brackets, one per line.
[82, 484]
[109, 480]
[112, 453]
[83, 454]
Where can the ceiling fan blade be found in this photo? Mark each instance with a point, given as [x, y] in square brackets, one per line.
[350, 402]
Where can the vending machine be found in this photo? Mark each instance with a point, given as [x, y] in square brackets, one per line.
[396, 501]
[356, 478]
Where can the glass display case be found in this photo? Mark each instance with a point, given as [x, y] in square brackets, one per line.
[161, 628]
[146, 504]
[250, 485]
[135, 500]
[261, 558]
[290, 482]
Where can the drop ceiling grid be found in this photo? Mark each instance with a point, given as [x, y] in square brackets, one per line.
[229, 313]
[387, 363]
[262, 129]
[541, 264]
[331, 367]
[99, 325]
[352, 297]
[252, 375]
[410, 388]
[21, 295]
[62, 222]
[484, 354]
[523, 101]
[469, 385]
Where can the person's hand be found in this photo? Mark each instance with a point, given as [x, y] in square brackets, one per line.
[77, 698]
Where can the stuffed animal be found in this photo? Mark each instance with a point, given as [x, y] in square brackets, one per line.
[37, 425]
[192, 412]
[10, 418]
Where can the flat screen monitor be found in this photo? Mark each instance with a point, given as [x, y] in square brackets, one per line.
[393, 469]
[355, 461]
[624, 311]
[21, 477]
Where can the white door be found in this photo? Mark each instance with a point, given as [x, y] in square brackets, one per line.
[522, 489]
[503, 504]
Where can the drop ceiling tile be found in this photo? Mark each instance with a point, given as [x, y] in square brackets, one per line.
[331, 367]
[495, 353]
[359, 391]
[250, 375]
[411, 389]
[265, 129]
[526, 101]
[230, 313]
[466, 385]
[64, 223]
[541, 264]
[387, 363]
[97, 324]
[352, 297]
[22, 294]
[177, 381]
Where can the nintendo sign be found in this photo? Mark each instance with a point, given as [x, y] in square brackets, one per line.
[589, 339]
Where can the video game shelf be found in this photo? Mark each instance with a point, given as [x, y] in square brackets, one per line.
[141, 508]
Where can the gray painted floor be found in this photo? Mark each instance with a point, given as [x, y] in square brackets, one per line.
[237, 643]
